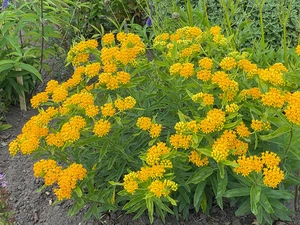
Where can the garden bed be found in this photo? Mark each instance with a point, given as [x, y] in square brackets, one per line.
[30, 207]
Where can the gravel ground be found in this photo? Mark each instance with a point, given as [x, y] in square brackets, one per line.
[30, 207]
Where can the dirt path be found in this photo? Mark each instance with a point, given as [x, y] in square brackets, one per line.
[31, 207]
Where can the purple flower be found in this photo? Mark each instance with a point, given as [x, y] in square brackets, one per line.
[149, 22]
[4, 4]
[1, 176]
[4, 184]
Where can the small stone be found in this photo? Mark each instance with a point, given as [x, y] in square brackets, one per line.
[47, 193]
[236, 222]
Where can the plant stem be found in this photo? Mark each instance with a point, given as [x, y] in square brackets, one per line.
[43, 35]
[261, 5]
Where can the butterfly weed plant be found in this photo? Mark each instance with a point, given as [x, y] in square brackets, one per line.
[198, 124]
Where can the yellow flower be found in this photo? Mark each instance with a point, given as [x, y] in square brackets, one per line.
[227, 63]
[206, 63]
[110, 68]
[101, 128]
[242, 130]
[128, 103]
[272, 176]
[187, 70]
[154, 153]
[195, 158]
[48, 169]
[298, 50]
[216, 30]
[59, 94]
[155, 130]
[91, 110]
[130, 183]
[204, 75]
[270, 159]
[257, 125]
[108, 110]
[181, 141]
[55, 140]
[80, 58]
[51, 85]
[254, 93]
[175, 68]
[240, 147]
[108, 39]
[123, 77]
[293, 108]
[214, 121]
[36, 100]
[92, 70]
[208, 99]
[273, 98]
[248, 165]
[232, 108]
[158, 188]
[67, 180]
[144, 123]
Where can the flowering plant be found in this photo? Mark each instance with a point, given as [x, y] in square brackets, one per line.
[205, 121]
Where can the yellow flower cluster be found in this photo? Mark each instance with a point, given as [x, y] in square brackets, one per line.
[38, 99]
[159, 188]
[232, 108]
[68, 179]
[197, 159]
[79, 53]
[298, 50]
[242, 130]
[293, 108]
[108, 109]
[214, 121]
[222, 145]
[181, 141]
[273, 98]
[217, 36]
[156, 159]
[252, 92]
[124, 104]
[228, 63]
[155, 152]
[65, 178]
[204, 75]
[186, 52]
[111, 81]
[36, 128]
[224, 82]
[258, 125]
[268, 163]
[183, 127]
[102, 127]
[93, 69]
[271, 76]
[207, 99]
[145, 124]
[108, 39]
[206, 63]
[248, 67]
[186, 69]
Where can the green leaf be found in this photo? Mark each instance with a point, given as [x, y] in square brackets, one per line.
[78, 191]
[201, 174]
[237, 192]
[30, 69]
[280, 131]
[254, 198]
[230, 163]
[204, 151]
[266, 204]
[244, 208]
[198, 193]
[150, 207]
[133, 202]
[278, 194]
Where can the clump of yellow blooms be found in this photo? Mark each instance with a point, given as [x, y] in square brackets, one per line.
[268, 164]
[273, 98]
[124, 104]
[102, 127]
[206, 63]
[145, 124]
[298, 50]
[228, 63]
[214, 121]
[108, 39]
[197, 159]
[204, 75]
[65, 178]
[232, 108]
[207, 99]
[162, 188]
[186, 69]
[181, 141]
[258, 125]
[292, 110]
[242, 130]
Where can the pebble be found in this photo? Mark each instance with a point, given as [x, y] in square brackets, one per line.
[236, 222]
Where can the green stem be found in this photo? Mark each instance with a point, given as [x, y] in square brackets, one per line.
[262, 24]
[290, 141]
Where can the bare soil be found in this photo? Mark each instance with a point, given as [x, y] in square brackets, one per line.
[30, 207]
